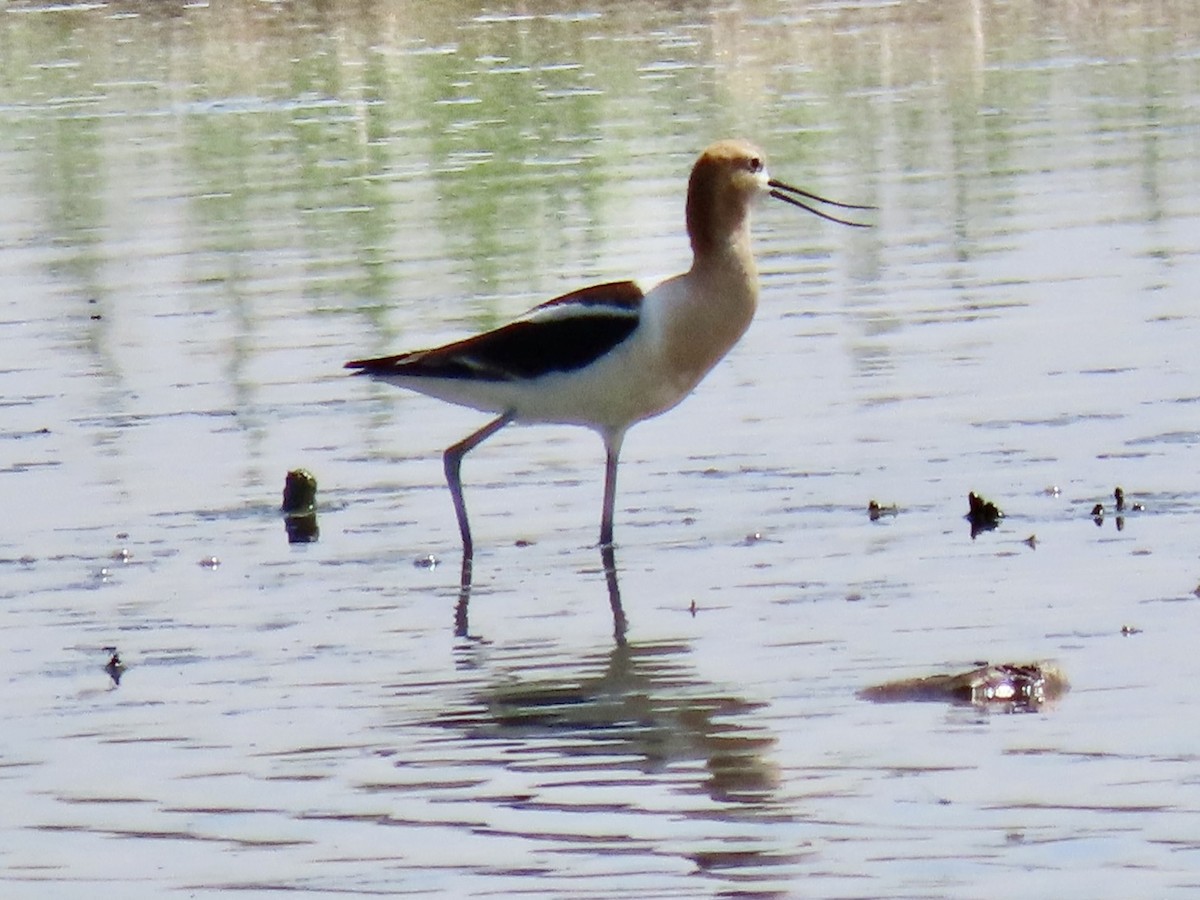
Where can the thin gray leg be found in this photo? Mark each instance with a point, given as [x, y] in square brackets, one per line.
[620, 623]
[452, 461]
[612, 451]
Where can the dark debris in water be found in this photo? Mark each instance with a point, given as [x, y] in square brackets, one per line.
[1120, 506]
[1119, 497]
[1013, 686]
[984, 515]
[877, 510]
[299, 492]
[114, 667]
[300, 507]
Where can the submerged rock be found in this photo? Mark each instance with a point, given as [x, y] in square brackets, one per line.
[1019, 685]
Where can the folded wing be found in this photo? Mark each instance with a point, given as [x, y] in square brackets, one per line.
[561, 335]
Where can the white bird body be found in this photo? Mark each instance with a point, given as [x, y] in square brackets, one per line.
[645, 373]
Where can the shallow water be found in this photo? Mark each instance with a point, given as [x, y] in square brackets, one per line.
[207, 210]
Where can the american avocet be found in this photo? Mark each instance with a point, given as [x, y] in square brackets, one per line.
[611, 355]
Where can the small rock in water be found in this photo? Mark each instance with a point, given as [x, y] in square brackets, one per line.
[299, 492]
[300, 507]
[428, 561]
[210, 562]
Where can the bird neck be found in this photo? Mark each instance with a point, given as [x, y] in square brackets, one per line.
[714, 303]
[728, 261]
[715, 218]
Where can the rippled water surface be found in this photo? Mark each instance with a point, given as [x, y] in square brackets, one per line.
[207, 210]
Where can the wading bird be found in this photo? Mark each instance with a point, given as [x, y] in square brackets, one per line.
[611, 355]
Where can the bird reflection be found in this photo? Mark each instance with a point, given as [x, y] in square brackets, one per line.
[638, 706]
[608, 560]
[627, 732]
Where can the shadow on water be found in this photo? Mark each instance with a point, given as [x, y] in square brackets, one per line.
[608, 560]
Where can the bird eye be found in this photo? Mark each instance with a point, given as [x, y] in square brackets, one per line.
[756, 164]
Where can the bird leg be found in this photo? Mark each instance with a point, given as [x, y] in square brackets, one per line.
[452, 461]
[612, 450]
[620, 623]
[464, 599]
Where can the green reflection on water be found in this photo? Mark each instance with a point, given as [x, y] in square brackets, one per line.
[339, 142]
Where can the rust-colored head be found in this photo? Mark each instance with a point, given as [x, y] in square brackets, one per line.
[727, 178]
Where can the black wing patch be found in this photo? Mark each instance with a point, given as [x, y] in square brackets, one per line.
[561, 335]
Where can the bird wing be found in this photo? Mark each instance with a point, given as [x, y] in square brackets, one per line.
[560, 335]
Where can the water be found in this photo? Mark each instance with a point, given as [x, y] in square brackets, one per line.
[208, 210]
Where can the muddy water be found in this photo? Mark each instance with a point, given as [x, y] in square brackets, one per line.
[207, 210]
